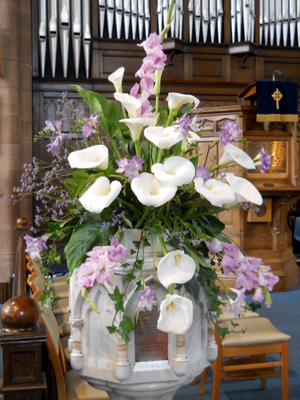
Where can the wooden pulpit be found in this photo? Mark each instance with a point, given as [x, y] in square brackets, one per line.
[262, 231]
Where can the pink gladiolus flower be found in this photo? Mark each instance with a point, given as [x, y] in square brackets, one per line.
[87, 274]
[215, 246]
[237, 306]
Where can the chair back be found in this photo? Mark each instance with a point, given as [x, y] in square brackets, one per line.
[54, 347]
[35, 283]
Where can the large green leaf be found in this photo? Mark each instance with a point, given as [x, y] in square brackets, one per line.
[90, 100]
[82, 241]
[109, 108]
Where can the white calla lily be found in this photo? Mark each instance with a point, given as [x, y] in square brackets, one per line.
[176, 171]
[129, 102]
[100, 195]
[163, 138]
[116, 78]
[91, 157]
[192, 137]
[176, 314]
[175, 267]
[136, 125]
[233, 154]
[176, 100]
[150, 191]
[244, 190]
[216, 192]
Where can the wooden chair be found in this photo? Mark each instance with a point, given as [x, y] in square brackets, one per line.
[69, 384]
[225, 316]
[252, 347]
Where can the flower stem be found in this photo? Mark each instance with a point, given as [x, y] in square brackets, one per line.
[137, 148]
[114, 145]
[124, 112]
[171, 288]
[127, 204]
[191, 210]
[163, 245]
[142, 218]
[159, 155]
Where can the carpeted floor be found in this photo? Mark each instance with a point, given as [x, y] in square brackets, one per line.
[285, 316]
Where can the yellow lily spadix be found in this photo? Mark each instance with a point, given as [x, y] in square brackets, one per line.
[100, 195]
[175, 267]
[91, 157]
[176, 314]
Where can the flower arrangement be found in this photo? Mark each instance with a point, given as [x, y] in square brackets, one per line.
[147, 178]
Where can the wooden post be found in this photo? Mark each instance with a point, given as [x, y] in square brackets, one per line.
[21, 337]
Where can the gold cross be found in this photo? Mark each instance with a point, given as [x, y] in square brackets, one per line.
[277, 96]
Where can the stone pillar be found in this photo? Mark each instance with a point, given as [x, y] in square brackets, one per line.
[15, 121]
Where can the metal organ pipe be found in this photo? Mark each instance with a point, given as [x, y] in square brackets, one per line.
[42, 34]
[53, 33]
[64, 31]
[134, 17]
[76, 33]
[87, 37]
[141, 18]
[119, 14]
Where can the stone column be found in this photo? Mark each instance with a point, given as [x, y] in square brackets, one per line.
[15, 121]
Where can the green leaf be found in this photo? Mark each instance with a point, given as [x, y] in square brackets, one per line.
[130, 276]
[117, 297]
[82, 241]
[193, 287]
[125, 337]
[92, 102]
[126, 324]
[110, 110]
[222, 331]
[234, 324]
[254, 306]
[111, 329]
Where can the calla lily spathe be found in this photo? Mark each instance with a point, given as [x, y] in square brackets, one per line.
[176, 314]
[163, 138]
[100, 195]
[176, 171]
[216, 192]
[91, 157]
[244, 190]
[129, 102]
[175, 267]
[116, 78]
[150, 191]
[136, 125]
[176, 100]
[233, 154]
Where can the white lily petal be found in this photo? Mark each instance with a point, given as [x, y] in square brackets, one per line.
[175, 267]
[150, 191]
[163, 138]
[136, 125]
[233, 154]
[116, 78]
[91, 157]
[176, 100]
[244, 190]
[192, 137]
[100, 195]
[176, 314]
[129, 102]
[176, 171]
[216, 192]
